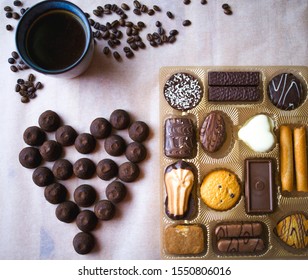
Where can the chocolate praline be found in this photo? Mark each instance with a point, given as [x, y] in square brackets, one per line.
[62, 169]
[135, 152]
[128, 172]
[85, 143]
[66, 135]
[49, 121]
[100, 128]
[42, 176]
[116, 191]
[138, 131]
[50, 150]
[106, 169]
[86, 220]
[67, 211]
[104, 210]
[119, 119]
[115, 145]
[84, 168]
[84, 195]
[34, 136]
[55, 193]
[83, 243]
[30, 157]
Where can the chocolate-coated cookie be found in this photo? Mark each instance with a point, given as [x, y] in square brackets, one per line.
[119, 119]
[116, 191]
[128, 172]
[83, 243]
[138, 131]
[50, 150]
[106, 169]
[84, 195]
[66, 135]
[42, 176]
[34, 136]
[85, 143]
[104, 210]
[135, 152]
[30, 157]
[55, 193]
[100, 128]
[49, 121]
[84, 168]
[115, 145]
[62, 169]
[86, 220]
[67, 211]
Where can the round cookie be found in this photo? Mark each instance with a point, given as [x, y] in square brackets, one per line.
[128, 172]
[106, 169]
[30, 157]
[34, 136]
[104, 210]
[62, 169]
[49, 121]
[119, 119]
[55, 193]
[286, 91]
[138, 131]
[67, 211]
[220, 190]
[100, 128]
[135, 152]
[85, 143]
[83, 243]
[42, 176]
[84, 168]
[66, 135]
[182, 91]
[84, 195]
[50, 150]
[116, 191]
[86, 220]
[115, 145]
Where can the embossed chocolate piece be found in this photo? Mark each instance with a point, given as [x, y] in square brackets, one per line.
[180, 138]
[241, 245]
[244, 229]
[234, 94]
[213, 132]
[216, 78]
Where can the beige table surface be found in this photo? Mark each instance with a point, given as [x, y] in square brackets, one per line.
[259, 32]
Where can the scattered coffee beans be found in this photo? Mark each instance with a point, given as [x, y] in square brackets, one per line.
[227, 9]
[27, 89]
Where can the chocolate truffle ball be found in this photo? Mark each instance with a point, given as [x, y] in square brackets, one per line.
[83, 243]
[84, 168]
[50, 150]
[106, 169]
[100, 128]
[55, 193]
[116, 192]
[128, 172]
[67, 211]
[30, 157]
[85, 143]
[104, 210]
[34, 136]
[86, 220]
[115, 145]
[138, 131]
[135, 152]
[84, 195]
[62, 169]
[42, 176]
[119, 119]
[66, 135]
[49, 121]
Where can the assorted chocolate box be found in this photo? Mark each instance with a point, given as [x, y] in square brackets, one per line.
[234, 162]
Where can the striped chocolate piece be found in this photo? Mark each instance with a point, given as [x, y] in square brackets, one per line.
[246, 230]
[234, 93]
[233, 78]
[241, 245]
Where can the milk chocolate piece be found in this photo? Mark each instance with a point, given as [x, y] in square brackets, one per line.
[241, 245]
[234, 94]
[245, 229]
[180, 139]
[233, 78]
[259, 175]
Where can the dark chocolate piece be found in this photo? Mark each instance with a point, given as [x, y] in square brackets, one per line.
[83, 243]
[49, 121]
[244, 229]
[67, 211]
[116, 191]
[42, 176]
[234, 94]
[34, 136]
[62, 169]
[86, 220]
[104, 210]
[100, 128]
[106, 169]
[115, 145]
[50, 150]
[138, 131]
[128, 172]
[259, 174]
[217, 78]
[66, 135]
[213, 132]
[241, 245]
[30, 157]
[85, 143]
[84, 168]
[119, 119]
[55, 193]
[135, 152]
[180, 138]
[84, 195]
[286, 91]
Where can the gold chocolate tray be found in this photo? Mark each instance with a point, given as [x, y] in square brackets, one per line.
[232, 158]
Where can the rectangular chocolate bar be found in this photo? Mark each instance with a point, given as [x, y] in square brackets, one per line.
[236, 230]
[229, 94]
[259, 174]
[233, 78]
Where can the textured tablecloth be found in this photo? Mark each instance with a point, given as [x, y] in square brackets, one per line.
[259, 32]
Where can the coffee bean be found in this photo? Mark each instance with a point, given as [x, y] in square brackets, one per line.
[137, 12]
[111, 43]
[20, 81]
[97, 13]
[11, 60]
[186, 22]
[171, 39]
[133, 46]
[96, 25]
[9, 27]
[161, 31]
[17, 88]
[31, 78]
[173, 32]
[170, 15]
[9, 14]
[107, 6]
[15, 55]
[129, 54]
[125, 7]
[106, 50]
[158, 23]
[225, 6]
[141, 45]
[127, 49]
[25, 99]
[39, 85]
[15, 15]
[141, 24]
[149, 37]
[129, 31]
[130, 39]
[31, 90]
[203, 2]
[153, 43]
[25, 66]
[164, 38]
[103, 27]
[137, 4]
[13, 68]
[144, 9]
[106, 35]
[186, 2]
[7, 9]
[117, 56]
[100, 8]
[107, 12]
[17, 3]
[151, 12]
[156, 8]
[228, 12]
[91, 21]
[22, 11]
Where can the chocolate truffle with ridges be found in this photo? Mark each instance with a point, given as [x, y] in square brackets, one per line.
[135, 152]
[84, 168]
[104, 210]
[138, 131]
[42, 176]
[183, 91]
[83, 243]
[128, 172]
[66, 135]
[107, 169]
[100, 128]
[116, 191]
[55, 193]
[84, 195]
[86, 220]
[30, 157]
[50, 150]
[49, 121]
[85, 143]
[115, 145]
[62, 169]
[34, 136]
[67, 211]
[119, 119]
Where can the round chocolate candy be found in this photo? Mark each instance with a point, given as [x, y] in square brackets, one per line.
[115, 145]
[42, 176]
[86, 220]
[50, 150]
[62, 169]
[106, 169]
[100, 128]
[116, 191]
[104, 210]
[34, 136]
[138, 131]
[66, 135]
[67, 211]
[128, 172]
[85, 143]
[30, 157]
[55, 193]
[135, 152]
[84, 195]
[83, 243]
[119, 119]
[49, 121]
[84, 168]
